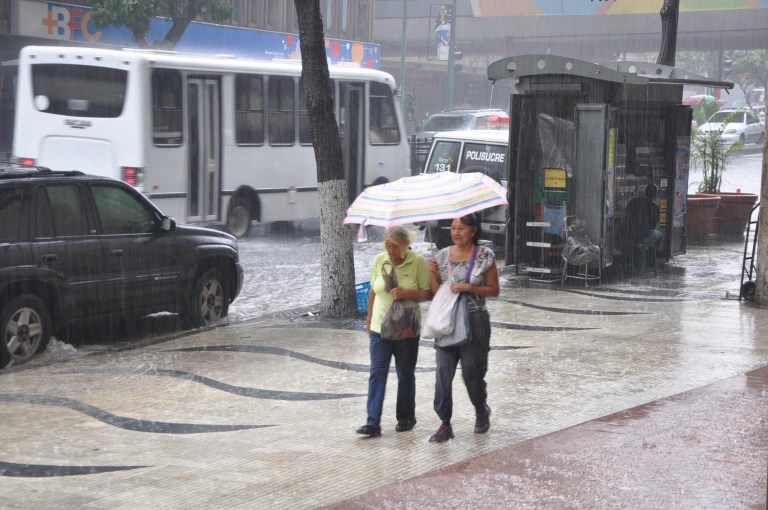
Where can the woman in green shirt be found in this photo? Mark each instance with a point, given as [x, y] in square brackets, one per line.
[412, 284]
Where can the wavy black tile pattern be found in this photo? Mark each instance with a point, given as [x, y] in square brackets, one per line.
[235, 390]
[122, 422]
[643, 292]
[526, 327]
[48, 471]
[568, 310]
[627, 298]
[279, 351]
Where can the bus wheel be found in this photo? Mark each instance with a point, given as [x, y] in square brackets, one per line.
[239, 218]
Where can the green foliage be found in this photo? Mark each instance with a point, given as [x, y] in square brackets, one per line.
[751, 67]
[709, 152]
[136, 16]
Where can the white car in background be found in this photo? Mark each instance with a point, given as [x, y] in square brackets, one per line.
[736, 126]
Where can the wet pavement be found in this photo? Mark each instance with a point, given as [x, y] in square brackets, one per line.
[644, 393]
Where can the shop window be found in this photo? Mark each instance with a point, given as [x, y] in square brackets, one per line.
[256, 13]
[344, 19]
[240, 16]
[281, 104]
[249, 110]
[291, 21]
[272, 19]
[362, 30]
[167, 112]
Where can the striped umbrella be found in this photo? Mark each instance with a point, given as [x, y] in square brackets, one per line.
[425, 197]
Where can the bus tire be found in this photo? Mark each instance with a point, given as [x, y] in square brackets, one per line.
[239, 218]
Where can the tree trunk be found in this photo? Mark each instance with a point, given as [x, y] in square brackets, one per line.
[761, 257]
[668, 13]
[337, 265]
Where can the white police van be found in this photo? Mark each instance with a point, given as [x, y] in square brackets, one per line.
[478, 150]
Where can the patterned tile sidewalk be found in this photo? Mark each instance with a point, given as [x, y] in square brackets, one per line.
[261, 414]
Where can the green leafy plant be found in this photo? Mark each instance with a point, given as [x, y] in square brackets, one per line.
[712, 155]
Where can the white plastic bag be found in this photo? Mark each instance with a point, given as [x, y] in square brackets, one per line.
[461, 333]
[440, 320]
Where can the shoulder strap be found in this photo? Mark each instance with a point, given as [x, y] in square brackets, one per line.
[472, 262]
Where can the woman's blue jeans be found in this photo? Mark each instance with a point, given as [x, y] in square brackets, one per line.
[406, 353]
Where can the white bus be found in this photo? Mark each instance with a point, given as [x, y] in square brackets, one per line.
[211, 140]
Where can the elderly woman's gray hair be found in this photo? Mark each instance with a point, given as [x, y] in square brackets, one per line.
[401, 234]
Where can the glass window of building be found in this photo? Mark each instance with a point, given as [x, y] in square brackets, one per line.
[272, 18]
[256, 13]
[362, 30]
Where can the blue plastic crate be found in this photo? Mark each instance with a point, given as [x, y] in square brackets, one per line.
[361, 289]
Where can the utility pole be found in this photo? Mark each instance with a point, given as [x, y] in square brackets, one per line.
[452, 56]
[402, 57]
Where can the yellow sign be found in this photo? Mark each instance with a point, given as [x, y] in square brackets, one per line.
[555, 178]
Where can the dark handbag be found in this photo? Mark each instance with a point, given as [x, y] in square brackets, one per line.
[402, 319]
[462, 333]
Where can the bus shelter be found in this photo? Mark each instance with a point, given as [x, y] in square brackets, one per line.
[584, 140]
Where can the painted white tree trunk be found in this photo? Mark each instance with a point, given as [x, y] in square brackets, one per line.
[761, 257]
[337, 261]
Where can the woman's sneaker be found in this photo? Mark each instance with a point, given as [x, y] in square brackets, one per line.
[483, 421]
[443, 434]
[369, 430]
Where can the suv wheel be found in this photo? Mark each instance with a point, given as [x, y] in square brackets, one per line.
[209, 301]
[26, 328]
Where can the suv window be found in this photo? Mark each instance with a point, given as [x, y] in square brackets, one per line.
[445, 157]
[447, 123]
[10, 214]
[486, 158]
[120, 212]
[59, 212]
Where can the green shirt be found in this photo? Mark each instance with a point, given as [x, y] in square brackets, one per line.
[411, 275]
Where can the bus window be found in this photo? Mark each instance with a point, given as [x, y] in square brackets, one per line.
[444, 157]
[249, 110]
[282, 130]
[383, 128]
[166, 108]
[484, 158]
[305, 137]
[79, 91]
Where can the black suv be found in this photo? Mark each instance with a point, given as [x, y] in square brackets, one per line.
[79, 247]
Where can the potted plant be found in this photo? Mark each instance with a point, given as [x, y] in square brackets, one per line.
[712, 153]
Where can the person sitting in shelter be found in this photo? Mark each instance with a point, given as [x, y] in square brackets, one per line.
[641, 218]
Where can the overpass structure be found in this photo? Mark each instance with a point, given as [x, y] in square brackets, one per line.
[591, 30]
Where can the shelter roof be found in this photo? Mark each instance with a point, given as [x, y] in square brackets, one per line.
[627, 72]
